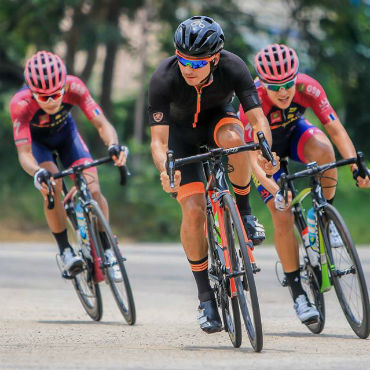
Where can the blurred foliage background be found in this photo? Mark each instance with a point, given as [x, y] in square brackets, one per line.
[115, 45]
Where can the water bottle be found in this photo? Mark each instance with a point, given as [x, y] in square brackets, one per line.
[82, 228]
[312, 245]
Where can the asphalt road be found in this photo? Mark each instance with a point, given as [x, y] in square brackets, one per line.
[43, 325]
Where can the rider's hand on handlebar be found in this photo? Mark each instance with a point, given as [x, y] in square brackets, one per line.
[40, 179]
[360, 181]
[266, 165]
[165, 180]
[118, 153]
[279, 201]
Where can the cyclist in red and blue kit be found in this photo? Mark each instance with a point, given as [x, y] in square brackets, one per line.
[285, 95]
[43, 124]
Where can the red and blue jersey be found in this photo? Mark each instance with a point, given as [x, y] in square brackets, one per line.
[31, 122]
[309, 94]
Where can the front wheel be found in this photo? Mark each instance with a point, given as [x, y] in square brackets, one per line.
[242, 270]
[229, 305]
[346, 271]
[310, 284]
[86, 288]
[120, 288]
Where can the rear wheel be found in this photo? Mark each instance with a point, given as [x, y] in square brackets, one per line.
[244, 280]
[346, 272]
[87, 290]
[229, 305]
[121, 288]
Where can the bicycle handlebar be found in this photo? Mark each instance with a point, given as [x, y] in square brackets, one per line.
[123, 170]
[313, 169]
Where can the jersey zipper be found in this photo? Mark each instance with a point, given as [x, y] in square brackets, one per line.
[199, 98]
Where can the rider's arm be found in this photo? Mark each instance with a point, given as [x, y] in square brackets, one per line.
[105, 129]
[159, 145]
[341, 140]
[27, 160]
[259, 122]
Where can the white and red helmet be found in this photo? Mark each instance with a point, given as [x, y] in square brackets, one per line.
[276, 63]
[45, 73]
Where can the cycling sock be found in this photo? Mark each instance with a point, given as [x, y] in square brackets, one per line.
[242, 198]
[104, 240]
[200, 272]
[62, 240]
[294, 281]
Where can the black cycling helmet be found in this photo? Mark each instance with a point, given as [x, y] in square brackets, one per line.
[199, 37]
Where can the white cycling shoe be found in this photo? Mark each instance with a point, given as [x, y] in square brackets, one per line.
[305, 312]
[113, 271]
[72, 264]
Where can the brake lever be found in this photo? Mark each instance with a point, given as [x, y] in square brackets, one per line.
[265, 148]
[170, 167]
[284, 187]
[51, 202]
[124, 174]
[362, 170]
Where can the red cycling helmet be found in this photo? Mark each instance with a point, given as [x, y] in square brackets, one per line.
[276, 63]
[45, 73]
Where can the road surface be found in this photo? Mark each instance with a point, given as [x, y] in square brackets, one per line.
[43, 325]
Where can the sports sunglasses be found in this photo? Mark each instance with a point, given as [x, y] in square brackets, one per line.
[46, 98]
[277, 87]
[193, 63]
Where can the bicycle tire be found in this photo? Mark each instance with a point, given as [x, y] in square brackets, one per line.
[87, 289]
[246, 288]
[311, 286]
[230, 317]
[121, 291]
[348, 278]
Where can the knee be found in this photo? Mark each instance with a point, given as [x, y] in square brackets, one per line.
[283, 221]
[229, 138]
[194, 213]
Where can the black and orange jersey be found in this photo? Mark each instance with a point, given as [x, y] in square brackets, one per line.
[173, 101]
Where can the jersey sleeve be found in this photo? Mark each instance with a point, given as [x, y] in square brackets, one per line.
[159, 101]
[244, 86]
[21, 121]
[316, 98]
[78, 94]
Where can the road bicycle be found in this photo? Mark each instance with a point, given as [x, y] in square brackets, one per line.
[86, 226]
[332, 261]
[232, 264]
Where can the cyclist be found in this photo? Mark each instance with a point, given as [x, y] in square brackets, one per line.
[42, 124]
[189, 106]
[285, 95]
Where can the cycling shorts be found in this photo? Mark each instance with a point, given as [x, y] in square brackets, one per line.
[67, 142]
[293, 147]
[185, 141]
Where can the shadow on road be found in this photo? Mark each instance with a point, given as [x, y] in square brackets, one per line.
[303, 335]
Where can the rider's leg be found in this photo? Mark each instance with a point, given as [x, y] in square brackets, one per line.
[56, 217]
[287, 249]
[318, 148]
[228, 135]
[193, 239]
[310, 144]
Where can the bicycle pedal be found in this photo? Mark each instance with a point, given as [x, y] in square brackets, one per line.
[284, 282]
[255, 268]
[66, 276]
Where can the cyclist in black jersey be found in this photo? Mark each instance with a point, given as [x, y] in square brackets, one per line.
[189, 106]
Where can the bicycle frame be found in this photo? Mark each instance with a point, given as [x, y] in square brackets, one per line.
[216, 188]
